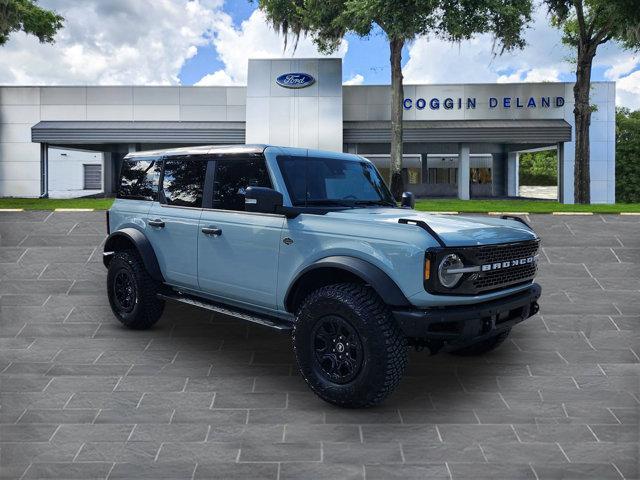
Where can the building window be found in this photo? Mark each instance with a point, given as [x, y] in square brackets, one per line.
[480, 175]
[92, 177]
[413, 175]
[443, 176]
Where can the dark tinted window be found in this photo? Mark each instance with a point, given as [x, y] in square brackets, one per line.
[139, 179]
[183, 181]
[233, 176]
[324, 180]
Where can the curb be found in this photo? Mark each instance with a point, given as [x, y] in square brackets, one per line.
[571, 213]
[441, 213]
[11, 209]
[508, 213]
[74, 209]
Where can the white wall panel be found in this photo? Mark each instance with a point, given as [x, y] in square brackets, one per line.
[19, 95]
[110, 112]
[63, 95]
[63, 112]
[109, 95]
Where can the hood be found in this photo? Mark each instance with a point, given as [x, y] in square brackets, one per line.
[455, 231]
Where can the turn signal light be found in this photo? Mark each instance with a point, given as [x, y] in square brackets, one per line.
[427, 268]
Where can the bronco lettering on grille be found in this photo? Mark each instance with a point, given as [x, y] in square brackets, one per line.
[488, 267]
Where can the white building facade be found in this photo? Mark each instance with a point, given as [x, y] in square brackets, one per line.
[460, 140]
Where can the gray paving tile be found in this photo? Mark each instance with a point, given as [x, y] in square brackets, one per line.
[200, 453]
[92, 433]
[160, 470]
[430, 452]
[562, 375]
[576, 471]
[320, 471]
[245, 471]
[281, 452]
[84, 471]
[169, 433]
[490, 471]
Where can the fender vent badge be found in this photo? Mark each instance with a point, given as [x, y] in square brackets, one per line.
[287, 241]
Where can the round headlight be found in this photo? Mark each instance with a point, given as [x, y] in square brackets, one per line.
[448, 263]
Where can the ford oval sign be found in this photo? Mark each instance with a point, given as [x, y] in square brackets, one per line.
[295, 80]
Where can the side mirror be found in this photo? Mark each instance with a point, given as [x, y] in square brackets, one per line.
[407, 200]
[262, 200]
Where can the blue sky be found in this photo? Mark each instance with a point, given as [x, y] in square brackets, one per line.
[368, 56]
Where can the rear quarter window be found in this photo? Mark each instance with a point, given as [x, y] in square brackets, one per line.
[139, 179]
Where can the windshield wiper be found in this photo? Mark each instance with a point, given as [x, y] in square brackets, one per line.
[384, 203]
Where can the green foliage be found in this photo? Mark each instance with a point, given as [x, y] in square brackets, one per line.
[53, 203]
[539, 168]
[597, 21]
[627, 155]
[28, 17]
[327, 21]
[519, 206]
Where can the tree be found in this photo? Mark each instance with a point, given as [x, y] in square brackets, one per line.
[587, 24]
[627, 156]
[327, 22]
[28, 17]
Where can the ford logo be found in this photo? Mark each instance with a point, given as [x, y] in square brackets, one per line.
[295, 80]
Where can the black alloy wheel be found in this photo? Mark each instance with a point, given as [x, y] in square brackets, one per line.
[337, 348]
[124, 290]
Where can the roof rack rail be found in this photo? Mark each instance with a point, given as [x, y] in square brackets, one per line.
[425, 226]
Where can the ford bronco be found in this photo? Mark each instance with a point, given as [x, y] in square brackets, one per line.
[312, 243]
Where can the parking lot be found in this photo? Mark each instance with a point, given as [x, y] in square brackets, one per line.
[201, 396]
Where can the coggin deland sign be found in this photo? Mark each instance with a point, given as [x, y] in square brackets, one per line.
[469, 103]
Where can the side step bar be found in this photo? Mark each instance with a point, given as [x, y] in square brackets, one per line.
[269, 322]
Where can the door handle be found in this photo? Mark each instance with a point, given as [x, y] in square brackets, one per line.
[213, 231]
[156, 223]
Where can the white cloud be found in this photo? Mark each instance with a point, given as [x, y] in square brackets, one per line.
[357, 79]
[628, 91]
[432, 60]
[114, 42]
[253, 39]
[544, 59]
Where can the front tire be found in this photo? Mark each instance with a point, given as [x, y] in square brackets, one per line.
[132, 291]
[348, 346]
[483, 346]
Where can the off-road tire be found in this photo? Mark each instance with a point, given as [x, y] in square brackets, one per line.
[383, 346]
[482, 347]
[147, 307]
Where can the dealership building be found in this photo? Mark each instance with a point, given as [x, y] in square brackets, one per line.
[460, 140]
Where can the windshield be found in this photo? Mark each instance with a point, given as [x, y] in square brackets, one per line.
[313, 181]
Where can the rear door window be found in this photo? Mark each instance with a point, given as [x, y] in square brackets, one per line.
[139, 179]
[183, 181]
[233, 176]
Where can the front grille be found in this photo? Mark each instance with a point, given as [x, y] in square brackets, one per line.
[496, 279]
[500, 278]
[474, 283]
[500, 253]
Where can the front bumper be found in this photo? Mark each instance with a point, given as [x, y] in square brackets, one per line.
[457, 326]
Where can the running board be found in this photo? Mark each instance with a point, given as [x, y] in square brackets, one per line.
[269, 322]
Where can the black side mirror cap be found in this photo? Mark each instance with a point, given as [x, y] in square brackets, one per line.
[262, 200]
[408, 201]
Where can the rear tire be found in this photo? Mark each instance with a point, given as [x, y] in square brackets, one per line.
[348, 346]
[482, 347]
[132, 291]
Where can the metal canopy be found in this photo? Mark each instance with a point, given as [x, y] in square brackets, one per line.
[477, 131]
[138, 132]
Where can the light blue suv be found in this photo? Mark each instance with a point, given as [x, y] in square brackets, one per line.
[313, 244]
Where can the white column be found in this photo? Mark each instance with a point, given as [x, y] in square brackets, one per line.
[513, 166]
[463, 171]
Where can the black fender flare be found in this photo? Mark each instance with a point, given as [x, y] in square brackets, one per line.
[141, 244]
[384, 286]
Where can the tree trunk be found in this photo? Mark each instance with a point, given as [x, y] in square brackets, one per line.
[397, 97]
[582, 113]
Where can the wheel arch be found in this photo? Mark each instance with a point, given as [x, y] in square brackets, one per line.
[132, 238]
[339, 269]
